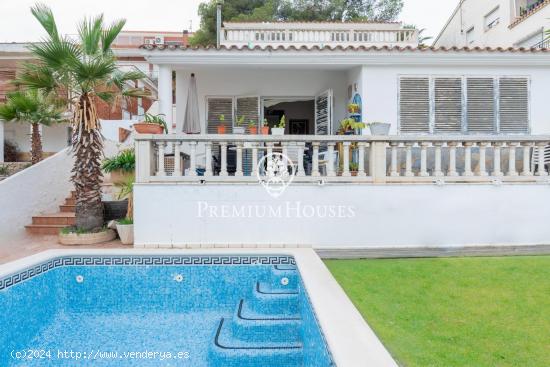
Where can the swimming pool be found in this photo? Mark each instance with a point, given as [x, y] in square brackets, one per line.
[160, 310]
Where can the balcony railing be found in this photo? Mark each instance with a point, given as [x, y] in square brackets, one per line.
[319, 37]
[359, 159]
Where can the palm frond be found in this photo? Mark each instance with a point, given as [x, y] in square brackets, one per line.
[90, 31]
[120, 78]
[30, 106]
[36, 76]
[8, 112]
[109, 35]
[94, 72]
[56, 54]
[45, 17]
[136, 92]
[107, 97]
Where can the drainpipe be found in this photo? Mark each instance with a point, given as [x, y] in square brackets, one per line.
[218, 23]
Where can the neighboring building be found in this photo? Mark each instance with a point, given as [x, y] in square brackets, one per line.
[497, 23]
[464, 157]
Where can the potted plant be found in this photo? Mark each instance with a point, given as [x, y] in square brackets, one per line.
[280, 128]
[121, 166]
[239, 128]
[353, 167]
[379, 128]
[125, 227]
[265, 127]
[350, 127]
[221, 126]
[353, 108]
[152, 124]
[252, 127]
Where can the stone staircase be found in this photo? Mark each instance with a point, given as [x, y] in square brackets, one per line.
[51, 224]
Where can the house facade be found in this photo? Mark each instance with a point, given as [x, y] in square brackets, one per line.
[467, 133]
[497, 23]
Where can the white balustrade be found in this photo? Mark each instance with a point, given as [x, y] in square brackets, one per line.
[391, 159]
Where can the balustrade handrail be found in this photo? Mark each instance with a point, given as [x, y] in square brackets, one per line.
[342, 138]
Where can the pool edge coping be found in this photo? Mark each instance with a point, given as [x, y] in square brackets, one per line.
[350, 339]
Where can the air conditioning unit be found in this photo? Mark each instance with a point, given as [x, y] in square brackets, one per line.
[159, 40]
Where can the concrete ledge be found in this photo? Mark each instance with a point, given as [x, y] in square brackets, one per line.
[416, 252]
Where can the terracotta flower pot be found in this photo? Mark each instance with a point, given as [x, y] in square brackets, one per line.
[253, 130]
[221, 129]
[146, 128]
[265, 130]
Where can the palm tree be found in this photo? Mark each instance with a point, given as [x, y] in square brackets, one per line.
[83, 70]
[35, 108]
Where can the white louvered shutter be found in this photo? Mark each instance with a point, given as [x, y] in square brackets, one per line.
[249, 107]
[448, 105]
[480, 105]
[514, 105]
[323, 113]
[219, 106]
[414, 105]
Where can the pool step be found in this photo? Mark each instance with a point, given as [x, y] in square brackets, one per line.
[274, 304]
[228, 350]
[279, 272]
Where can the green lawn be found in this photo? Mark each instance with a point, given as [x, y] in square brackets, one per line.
[455, 312]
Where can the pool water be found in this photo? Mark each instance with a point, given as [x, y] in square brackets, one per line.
[160, 311]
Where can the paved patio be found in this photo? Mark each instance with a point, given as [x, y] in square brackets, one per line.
[31, 245]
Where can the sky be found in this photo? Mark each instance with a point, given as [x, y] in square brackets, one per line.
[17, 24]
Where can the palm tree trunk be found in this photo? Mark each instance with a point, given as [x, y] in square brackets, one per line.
[36, 144]
[87, 175]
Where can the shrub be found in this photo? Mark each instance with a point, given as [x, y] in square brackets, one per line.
[11, 151]
[124, 161]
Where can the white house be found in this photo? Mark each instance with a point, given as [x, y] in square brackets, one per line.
[463, 164]
[497, 23]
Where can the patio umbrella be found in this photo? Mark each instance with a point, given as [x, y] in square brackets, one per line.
[191, 122]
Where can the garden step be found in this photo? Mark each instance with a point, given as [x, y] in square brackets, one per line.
[70, 201]
[67, 208]
[63, 218]
[44, 229]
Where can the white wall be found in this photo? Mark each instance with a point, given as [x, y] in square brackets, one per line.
[54, 138]
[381, 83]
[473, 15]
[36, 190]
[265, 83]
[385, 215]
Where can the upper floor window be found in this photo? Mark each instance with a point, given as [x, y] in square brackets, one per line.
[464, 105]
[492, 19]
[470, 36]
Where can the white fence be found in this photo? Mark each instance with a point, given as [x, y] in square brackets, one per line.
[358, 159]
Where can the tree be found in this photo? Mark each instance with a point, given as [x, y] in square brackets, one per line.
[83, 71]
[35, 108]
[293, 10]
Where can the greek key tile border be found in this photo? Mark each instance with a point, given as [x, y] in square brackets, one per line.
[143, 260]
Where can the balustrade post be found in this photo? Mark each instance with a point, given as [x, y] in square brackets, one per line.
[452, 159]
[345, 170]
[160, 152]
[193, 159]
[527, 159]
[541, 169]
[361, 164]
[437, 169]
[512, 159]
[177, 159]
[497, 171]
[144, 160]
[378, 161]
[255, 171]
[300, 171]
[393, 170]
[330, 162]
[408, 159]
[483, 159]
[315, 160]
[239, 169]
[223, 168]
[424, 159]
[208, 153]
[468, 159]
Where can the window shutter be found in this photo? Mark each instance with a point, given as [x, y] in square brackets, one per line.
[448, 105]
[219, 106]
[481, 105]
[514, 105]
[414, 105]
[249, 108]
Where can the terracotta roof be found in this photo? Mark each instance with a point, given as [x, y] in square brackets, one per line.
[349, 48]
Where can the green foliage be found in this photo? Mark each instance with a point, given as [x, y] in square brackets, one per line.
[240, 121]
[350, 124]
[125, 221]
[252, 123]
[454, 312]
[31, 106]
[126, 188]
[157, 120]
[292, 10]
[4, 171]
[282, 122]
[353, 166]
[69, 230]
[124, 161]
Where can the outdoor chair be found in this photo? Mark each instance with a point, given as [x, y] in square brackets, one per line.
[324, 160]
